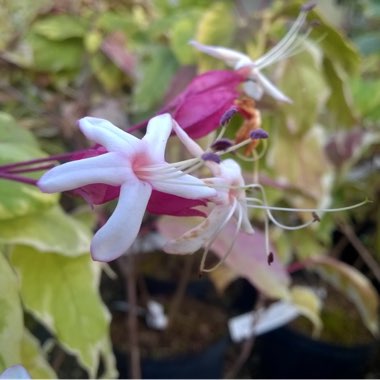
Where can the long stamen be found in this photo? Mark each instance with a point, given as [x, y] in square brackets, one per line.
[215, 235]
[229, 250]
[280, 49]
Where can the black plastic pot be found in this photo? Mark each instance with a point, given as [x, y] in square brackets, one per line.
[285, 353]
[206, 364]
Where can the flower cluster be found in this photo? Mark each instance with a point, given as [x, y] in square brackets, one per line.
[135, 171]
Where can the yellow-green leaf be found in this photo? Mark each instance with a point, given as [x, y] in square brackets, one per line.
[216, 27]
[48, 231]
[354, 285]
[62, 293]
[11, 317]
[33, 359]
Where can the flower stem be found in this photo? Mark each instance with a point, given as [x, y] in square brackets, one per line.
[17, 178]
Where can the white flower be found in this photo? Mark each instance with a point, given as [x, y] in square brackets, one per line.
[229, 201]
[285, 48]
[137, 166]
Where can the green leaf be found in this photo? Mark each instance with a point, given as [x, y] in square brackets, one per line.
[49, 231]
[301, 162]
[62, 293]
[60, 27]
[306, 86]
[16, 16]
[309, 305]
[181, 32]
[340, 102]
[32, 358]
[354, 285]
[19, 144]
[107, 73]
[11, 132]
[156, 74]
[54, 56]
[11, 317]
[367, 97]
[216, 27]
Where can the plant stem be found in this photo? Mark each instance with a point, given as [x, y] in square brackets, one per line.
[365, 254]
[181, 288]
[247, 345]
[17, 178]
[127, 266]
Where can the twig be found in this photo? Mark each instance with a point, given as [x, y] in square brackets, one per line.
[247, 345]
[361, 249]
[181, 288]
[127, 266]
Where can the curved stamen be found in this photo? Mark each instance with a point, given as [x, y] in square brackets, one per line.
[229, 250]
[215, 235]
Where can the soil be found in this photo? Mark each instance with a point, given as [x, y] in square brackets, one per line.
[189, 332]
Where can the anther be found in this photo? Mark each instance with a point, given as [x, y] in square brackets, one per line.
[222, 144]
[227, 116]
[316, 218]
[210, 156]
[308, 6]
[270, 258]
[258, 134]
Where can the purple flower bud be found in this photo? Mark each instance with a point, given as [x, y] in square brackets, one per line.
[209, 156]
[258, 134]
[307, 7]
[222, 144]
[227, 116]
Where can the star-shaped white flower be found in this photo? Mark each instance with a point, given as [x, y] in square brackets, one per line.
[137, 166]
[285, 48]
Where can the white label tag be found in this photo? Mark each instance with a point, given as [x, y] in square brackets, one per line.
[155, 317]
[246, 325]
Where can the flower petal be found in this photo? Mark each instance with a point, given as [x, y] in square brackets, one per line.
[121, 229]
[229, 56]
[15, 372]
[109, 168]
[108, 135]
[182, 185]
[200, 235]
[269, 87]
[157, 134]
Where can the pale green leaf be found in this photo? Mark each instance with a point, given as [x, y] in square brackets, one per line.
[62, 293]
[54, 56]
[354, 285]
[301, 161]
[107, 73]
[181, 32]
[49, 231]
[302, 80]
[33, 359]
[12, 132]
[155, 78]
[11, 316]
[60, 27]
[340, 102]
[216, 27]
[19, 199]
[309, 305]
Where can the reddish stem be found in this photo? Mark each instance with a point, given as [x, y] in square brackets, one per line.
[28, 170]
[17, 178]
[56, 157]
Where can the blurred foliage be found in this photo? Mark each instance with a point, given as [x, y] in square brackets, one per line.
[114, 59]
